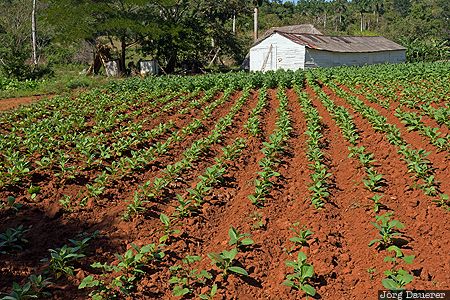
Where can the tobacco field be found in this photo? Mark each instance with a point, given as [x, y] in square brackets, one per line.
[327, 184]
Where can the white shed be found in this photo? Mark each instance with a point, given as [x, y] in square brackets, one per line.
[292, 51]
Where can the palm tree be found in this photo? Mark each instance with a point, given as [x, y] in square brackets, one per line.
[362, 6]
[340, 7]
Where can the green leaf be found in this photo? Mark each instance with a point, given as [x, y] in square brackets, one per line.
[213, 289]
[372, 242]
[288, 283]
[409, 259]
[397, 250]
[238, 270]
[215, 257]
[165, 219]
[230, 255]
[233, 235]
[309, 290]
[88, 282]
[180, 291]
[390, 284]
[97, 297]
[307, 271]
[247, 241]
[301, 256]
[174, 280]
[191, 259]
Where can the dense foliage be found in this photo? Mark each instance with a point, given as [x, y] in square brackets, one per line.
[186, 34]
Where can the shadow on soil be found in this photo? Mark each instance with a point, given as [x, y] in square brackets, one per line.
[46, 232]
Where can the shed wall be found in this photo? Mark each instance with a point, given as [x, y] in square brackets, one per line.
[317, 58]
[284, 54]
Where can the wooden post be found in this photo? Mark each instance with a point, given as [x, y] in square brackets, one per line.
[33, 32]
[255, 24]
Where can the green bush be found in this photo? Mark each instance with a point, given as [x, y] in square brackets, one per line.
[78, 83]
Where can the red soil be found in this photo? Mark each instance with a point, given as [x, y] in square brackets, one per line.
[342, 229]
[6, 104]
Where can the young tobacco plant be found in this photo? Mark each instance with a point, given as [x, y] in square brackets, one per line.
[387, 230]
[61, 259]
[13, 238]
[167, 228]
[34, 288]
[130, 268]
[241, 240]
[397, 278]
[373, 181]
[11, 202]
[300, 278]
[377, 205]
[224, 261]
[302, 236]
[135, 208]
[185, 277]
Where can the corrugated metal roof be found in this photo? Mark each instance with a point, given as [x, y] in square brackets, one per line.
[302, 28]
[350, 44]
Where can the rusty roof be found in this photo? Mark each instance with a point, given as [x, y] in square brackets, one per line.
[350, 44]
[302, 28]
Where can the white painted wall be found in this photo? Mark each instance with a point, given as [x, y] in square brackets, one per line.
[316, 58]
[285, 54]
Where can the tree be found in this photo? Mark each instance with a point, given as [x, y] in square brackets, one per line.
[14, 38]
[118, 21]
[189, 30]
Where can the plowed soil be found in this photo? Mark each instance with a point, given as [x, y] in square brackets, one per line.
[345, 266]
[11, 103]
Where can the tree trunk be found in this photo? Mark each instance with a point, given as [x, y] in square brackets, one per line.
[234, 23]
[362, 21]
[171, 63]
[122, 63]
[325, 21]
[33, 33]
[255, 23]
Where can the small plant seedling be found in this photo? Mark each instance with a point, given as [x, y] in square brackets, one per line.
[224, 261]
[211, 294]
[443, 201]
[373, 181]
[184, 277]
[13, 238]
[61, 258]
[377, 205]
[135, 208]
[34, 191]
[239, 239]
[303, 272]
[11, 202]
[65, 202]
[257, 219]
[34, 288]
[301, 235]
[167, 228]
[130, 266]
[184, 208]
[387, 230]
[398, 255]
[371, 272]
[397, 280]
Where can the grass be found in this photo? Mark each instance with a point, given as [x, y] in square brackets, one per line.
[66, 79]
